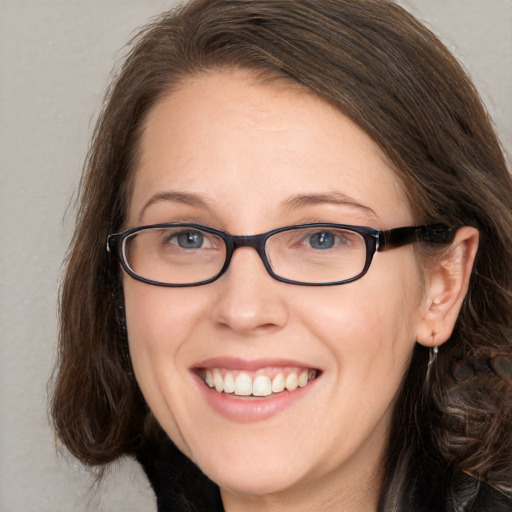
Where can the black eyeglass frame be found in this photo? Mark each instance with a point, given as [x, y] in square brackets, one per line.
[375, 240]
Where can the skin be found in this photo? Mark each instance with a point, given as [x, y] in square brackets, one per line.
[245, 148]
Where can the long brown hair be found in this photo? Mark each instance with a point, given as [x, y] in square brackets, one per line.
[395, 79]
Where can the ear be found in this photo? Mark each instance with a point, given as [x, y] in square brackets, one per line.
[446, 285]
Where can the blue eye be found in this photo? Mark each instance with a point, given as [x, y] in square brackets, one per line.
[322, 240]
[188, 239]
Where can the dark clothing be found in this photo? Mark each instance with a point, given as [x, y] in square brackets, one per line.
[181, 487]
[178, 484]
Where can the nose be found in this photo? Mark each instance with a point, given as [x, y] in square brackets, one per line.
[249, 300]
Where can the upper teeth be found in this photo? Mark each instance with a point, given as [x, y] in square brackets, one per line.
[242, 384]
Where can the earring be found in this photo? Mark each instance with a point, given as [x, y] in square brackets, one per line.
[432, 356]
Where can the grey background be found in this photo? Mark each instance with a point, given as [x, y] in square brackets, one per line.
[55, 60]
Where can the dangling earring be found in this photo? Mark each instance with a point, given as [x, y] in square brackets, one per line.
[431, 359]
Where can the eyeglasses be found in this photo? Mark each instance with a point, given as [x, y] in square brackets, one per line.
[317, 254]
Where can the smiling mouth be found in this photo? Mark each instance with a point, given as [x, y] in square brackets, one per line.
[262, 383]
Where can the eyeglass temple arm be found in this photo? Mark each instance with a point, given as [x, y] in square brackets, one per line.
[433, 234]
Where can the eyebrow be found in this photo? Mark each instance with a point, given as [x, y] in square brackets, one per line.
[175, 197]
[291, 203]
[336, 198]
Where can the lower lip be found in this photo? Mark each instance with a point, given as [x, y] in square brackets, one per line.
[253, 409]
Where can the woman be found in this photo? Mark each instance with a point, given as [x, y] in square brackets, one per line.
[225, 318]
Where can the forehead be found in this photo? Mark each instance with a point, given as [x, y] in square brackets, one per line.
[245, 147]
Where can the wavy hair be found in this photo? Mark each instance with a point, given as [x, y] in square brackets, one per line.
[389, 74]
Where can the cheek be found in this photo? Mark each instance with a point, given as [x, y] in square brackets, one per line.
[159, 324]
[148, 338]
[159, 319]
[370, 325]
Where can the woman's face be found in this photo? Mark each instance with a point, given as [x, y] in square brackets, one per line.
[245, 157]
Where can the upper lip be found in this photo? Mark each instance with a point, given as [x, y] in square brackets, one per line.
[237, 363]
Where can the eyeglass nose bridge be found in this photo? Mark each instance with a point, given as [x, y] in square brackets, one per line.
[257, 242]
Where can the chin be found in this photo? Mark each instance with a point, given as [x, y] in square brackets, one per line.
[256, 469]
[254, 481]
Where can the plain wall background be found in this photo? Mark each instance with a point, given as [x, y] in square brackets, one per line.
[55, 60]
